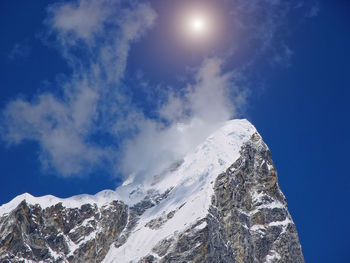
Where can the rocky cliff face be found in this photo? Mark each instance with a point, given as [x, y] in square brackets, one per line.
[58, 234]
[220, 204]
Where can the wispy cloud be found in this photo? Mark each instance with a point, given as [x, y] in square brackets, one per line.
[310, 8]
[60, 127]
[83, 19]
[19, 50]
[189, 118]
[95, 38]
[63, 127]
[314, 10]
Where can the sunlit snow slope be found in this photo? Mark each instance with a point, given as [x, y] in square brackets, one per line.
[192, 188]
[221, 203]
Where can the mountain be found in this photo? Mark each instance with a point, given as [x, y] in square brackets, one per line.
[221, 203]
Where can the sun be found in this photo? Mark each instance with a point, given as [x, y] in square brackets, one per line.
[197, 25]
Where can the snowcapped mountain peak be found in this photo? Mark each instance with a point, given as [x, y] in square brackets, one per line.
[220, 203]
[215, 154]
[191, 184]
[211, 157]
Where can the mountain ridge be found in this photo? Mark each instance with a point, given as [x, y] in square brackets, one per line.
[221, 203]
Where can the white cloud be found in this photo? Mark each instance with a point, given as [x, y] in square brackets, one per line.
[209, 97]
[103, 29]
[95, 37]
[82, 19]
[63, 126]
[59, 130]
[191, 117]
[133, 24]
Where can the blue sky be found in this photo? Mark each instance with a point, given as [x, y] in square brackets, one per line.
[82, 100]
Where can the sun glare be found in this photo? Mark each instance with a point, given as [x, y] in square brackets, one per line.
[197, 24]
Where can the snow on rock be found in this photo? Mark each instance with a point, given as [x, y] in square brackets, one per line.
[101, 198]
[154, 213]
[192, 185]
[219, 150]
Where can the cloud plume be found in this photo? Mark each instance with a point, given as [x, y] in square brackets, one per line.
[93, 121]
[189, 119]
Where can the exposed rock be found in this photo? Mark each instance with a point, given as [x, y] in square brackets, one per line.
[245, 218]
[58, 234]
[247, 222]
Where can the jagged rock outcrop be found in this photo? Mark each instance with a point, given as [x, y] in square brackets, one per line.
[220, 204]
[248, 220]
[57, 234]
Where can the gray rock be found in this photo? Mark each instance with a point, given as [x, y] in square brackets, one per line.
[49, 235]
[247, 222]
